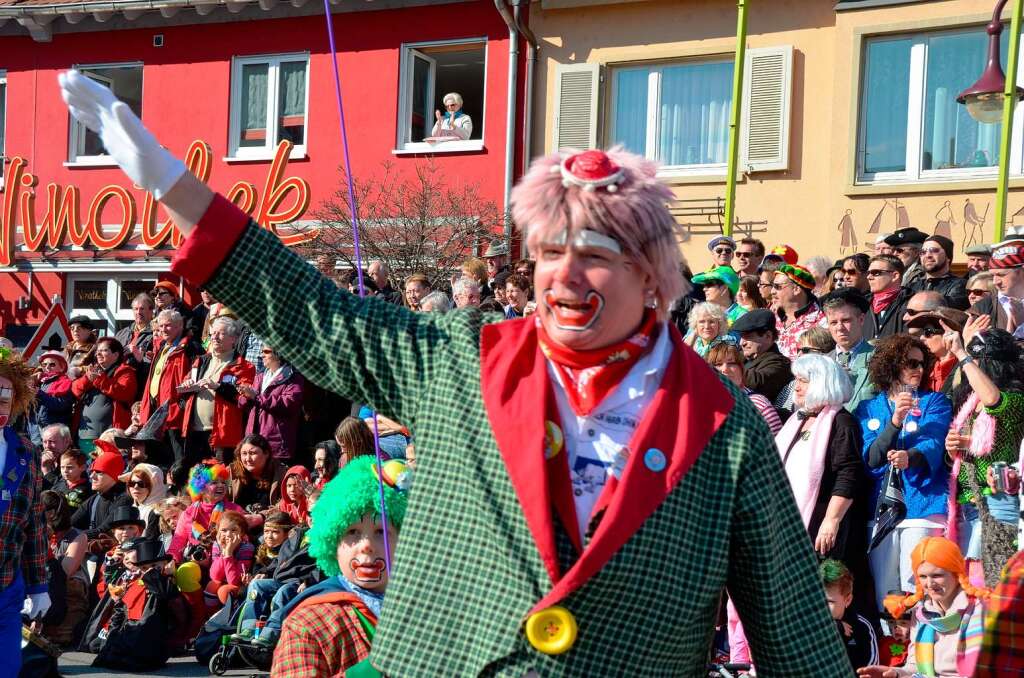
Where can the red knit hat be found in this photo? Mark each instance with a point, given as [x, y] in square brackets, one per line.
[110, 461]
[1008, 254]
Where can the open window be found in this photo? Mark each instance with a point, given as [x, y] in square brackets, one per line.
[429, 72]
[125, 81]
[269, 100]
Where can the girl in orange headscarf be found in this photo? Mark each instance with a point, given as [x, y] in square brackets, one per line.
[947, 623]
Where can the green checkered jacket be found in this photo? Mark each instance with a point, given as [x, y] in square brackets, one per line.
[467, 570]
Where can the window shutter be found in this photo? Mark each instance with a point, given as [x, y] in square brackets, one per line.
[767, 94]
[576, 90]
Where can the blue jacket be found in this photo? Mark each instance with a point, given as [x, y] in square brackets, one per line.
[924, 481]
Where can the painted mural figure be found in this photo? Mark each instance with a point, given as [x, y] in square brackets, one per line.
[545, 580]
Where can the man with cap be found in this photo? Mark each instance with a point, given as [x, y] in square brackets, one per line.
[978, 258]
[845, 311]
[936, 256]
[80, 343]
[1006, 309]
[766, 370]
[168, 298]
[929, 326]
[94, 515]
[722, 249]
[888, 297]
[627, 457]
[797, 309]
[496, 258]
[720, 286]
[906, 244]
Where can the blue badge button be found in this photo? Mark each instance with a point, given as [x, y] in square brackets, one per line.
[654, 459]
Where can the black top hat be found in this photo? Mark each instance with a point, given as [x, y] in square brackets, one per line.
[150, 551]
[151, 433]
[126, 515]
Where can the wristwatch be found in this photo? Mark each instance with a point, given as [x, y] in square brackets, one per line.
[965, 360]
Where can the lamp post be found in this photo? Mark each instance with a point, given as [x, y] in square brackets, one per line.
[991, 99]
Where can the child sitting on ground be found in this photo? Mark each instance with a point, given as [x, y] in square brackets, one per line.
[275, 533]
[330, 627]
[231, 562]
[856, 632]
[892, 649]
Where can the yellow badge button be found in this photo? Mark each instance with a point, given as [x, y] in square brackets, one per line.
[552, 630]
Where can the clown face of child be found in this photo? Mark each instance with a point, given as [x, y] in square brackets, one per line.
[900, 630]
[361, 554]
[6, 400]
[215, 491]
[124, 532]
[274, 535]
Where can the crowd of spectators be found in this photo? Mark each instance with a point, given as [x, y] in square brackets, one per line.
[895, 390]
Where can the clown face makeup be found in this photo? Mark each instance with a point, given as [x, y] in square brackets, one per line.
[6, 399]
[577, 281]
[361, 553]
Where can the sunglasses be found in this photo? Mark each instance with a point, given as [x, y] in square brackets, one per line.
[931, 250]
[873, 272]
[744, 255]
[781, 286]
[850, 271]
[712, 283]
[912, 364]
[804, 350]
[904, 250]
[723, 250]
[929, 332]
[977, 293]
[138, 484]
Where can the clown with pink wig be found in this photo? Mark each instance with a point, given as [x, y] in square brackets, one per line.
[208, 489]
[587, 487]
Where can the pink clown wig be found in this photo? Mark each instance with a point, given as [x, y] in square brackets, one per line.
[635, 214]
[204, 473]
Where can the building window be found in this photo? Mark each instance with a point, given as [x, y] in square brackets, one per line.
[675, 113]
[429, 71]
[269, 101]
[125, 81]
[911, 128]
[106, 299]
[3, 126]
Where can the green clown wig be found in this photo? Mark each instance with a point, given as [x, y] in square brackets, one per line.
[352, 494]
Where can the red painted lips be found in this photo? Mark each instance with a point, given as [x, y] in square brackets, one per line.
[574, 315]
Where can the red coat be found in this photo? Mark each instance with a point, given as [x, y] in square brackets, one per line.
[228, 422]
[176, 369]
[119, 386]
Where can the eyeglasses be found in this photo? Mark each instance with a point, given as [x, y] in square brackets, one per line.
[722, 250]
[138, 484]
[780, 286]
[762, 286]
[804, 350]
[874, 272]
[912, 364]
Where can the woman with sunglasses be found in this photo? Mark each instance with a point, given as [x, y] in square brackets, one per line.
[988, 428]
[54, 399]
[929, 326]
[147, 490]
[904, 427]
[980, 286]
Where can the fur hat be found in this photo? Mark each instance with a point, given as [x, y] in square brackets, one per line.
[349, 496]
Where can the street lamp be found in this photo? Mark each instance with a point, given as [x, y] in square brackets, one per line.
[992, 97]
[984, 99]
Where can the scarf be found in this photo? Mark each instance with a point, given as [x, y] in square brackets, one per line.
[983, 434]
[198, 529]
[589, 376]
[965, 623]
[881, 300]
[807, 468]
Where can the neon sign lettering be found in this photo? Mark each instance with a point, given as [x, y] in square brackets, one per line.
[284, 199]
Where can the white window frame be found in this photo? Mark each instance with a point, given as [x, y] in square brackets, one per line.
[654, 105]
[265, 152]
[76, 130]
[3, 129]
[106, 318]
[914, 173]
[405, 70]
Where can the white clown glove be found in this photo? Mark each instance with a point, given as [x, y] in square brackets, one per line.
[36, 605]
[130, 144]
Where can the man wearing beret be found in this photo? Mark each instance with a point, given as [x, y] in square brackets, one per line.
[797, 309]
[936, 256]
[1006, 309]
[906, 244]
[766, 370]
[588, 488]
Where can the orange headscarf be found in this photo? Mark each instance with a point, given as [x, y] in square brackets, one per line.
[940, 552]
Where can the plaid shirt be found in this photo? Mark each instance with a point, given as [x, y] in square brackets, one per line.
[1002, 649]
[320, 640]
[22, 532]
[466, 546]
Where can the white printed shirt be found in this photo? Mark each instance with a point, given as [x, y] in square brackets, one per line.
[597, 443]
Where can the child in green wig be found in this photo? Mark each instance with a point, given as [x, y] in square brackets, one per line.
[329, 628]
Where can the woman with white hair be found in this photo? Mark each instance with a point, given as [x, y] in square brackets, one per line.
[453, 125]
[820, 447]
[707, 325]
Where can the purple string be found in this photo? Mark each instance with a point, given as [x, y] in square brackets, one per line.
[359, 262]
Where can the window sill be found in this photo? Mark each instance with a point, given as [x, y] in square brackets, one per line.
[678, 179]
[94, 161]
[929, 186]
[440, 148]
[263, 157]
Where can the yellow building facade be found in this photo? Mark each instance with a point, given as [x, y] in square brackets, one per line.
[850, 128]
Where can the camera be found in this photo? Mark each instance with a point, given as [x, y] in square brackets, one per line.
[195, 552]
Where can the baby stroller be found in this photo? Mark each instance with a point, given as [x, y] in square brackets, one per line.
[216, 648]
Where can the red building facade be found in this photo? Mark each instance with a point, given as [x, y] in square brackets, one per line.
[247, 90]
